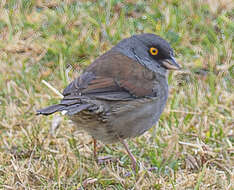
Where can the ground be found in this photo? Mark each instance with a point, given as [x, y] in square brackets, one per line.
[192, 145]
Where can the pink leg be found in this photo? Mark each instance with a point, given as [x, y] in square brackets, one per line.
[95, 148]
[133, 159]
[101, 160]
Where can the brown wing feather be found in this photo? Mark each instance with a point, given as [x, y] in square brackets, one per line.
[99, 83]
[113, 75]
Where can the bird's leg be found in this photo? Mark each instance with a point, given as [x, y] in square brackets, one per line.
[101, 160]
[133, 159]
[95, 148]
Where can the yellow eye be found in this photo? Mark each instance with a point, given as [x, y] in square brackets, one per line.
[153, 51]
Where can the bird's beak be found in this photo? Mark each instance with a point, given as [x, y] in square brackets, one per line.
[171, 64]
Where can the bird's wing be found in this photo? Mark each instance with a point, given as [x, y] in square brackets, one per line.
[113, 76]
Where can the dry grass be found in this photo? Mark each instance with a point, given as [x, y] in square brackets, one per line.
[192, 145]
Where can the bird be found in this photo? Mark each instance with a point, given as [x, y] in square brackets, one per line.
[122, 93]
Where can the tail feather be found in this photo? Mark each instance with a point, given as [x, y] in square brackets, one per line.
[70, 108]
[68, 102]
[74, 109]
[51, 109]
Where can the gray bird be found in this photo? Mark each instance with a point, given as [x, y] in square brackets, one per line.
[122, 93]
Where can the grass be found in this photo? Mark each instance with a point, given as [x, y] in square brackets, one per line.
[192, 145]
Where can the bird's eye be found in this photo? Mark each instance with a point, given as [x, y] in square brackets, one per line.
[153, 51]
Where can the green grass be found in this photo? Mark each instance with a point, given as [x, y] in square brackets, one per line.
[191, 146]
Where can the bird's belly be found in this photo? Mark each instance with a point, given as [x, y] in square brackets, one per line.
[123, 121]
[140, 119]
[95, 125]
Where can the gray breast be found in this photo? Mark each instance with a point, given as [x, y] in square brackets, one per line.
[138, 116]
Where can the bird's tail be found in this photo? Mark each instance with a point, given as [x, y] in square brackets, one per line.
[70, 107]
[50, 110]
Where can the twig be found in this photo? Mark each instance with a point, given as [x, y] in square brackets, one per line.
[52, 88]
[187, 112]
[190, 144]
